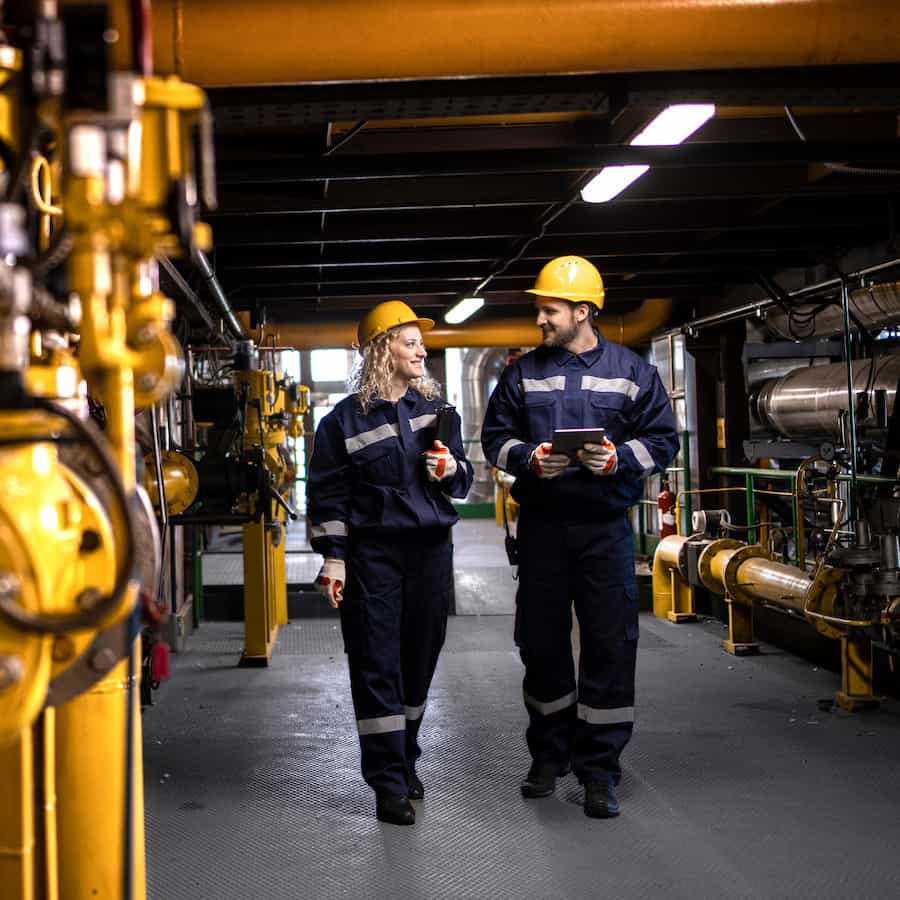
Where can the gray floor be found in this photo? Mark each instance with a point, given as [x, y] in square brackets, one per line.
[737, 785]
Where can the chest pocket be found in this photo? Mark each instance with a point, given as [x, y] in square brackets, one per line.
[540, 414]
[379, 464]
[610, 411]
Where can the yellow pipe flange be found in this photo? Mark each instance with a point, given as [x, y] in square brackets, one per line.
[820, 602]
[733, 586]
[704, 564]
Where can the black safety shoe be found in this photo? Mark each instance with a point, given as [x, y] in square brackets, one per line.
[541, 780]
[416, 790]
[394, 809]
[600, 800]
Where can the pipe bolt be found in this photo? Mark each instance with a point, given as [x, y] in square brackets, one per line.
[148, 381]
[9, 586]
[103, 659]
[90, 541]
[12, 671]
[89, 598]
[63, 648]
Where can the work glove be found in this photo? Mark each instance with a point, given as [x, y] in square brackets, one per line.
[440, 463]
[599, 459]
[546, 463]
[330, 580]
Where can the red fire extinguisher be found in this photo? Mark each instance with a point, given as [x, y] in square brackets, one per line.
[665, 513]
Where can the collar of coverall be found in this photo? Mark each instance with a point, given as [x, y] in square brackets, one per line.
[409, 398]
[587, 359]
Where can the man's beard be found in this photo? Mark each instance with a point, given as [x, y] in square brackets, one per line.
[560, 336]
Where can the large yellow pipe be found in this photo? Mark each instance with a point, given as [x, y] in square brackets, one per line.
[631, 328]
[247, 42]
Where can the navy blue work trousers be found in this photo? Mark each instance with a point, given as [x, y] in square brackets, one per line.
[584, 724]
[394, 620]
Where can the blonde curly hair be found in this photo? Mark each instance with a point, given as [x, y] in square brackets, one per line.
[373, 367]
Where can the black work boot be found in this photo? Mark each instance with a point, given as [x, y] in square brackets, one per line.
[540, 780]
[394, 809]
[416, 790]
[600, 800]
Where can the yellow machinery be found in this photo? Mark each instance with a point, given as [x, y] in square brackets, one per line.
[853, 598]
[244, 475]
[115, 188]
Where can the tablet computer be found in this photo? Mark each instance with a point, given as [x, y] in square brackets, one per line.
[568, 440]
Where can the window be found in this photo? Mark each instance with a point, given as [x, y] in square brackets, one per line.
[329, 365]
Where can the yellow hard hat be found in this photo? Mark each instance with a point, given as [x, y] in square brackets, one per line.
[570, 278]
[386, 316]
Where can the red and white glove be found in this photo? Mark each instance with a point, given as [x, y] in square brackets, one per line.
[547, 464]
[599, 459]
[440, 463]
[330, 580]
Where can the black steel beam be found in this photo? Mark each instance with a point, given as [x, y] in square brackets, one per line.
[500, 162]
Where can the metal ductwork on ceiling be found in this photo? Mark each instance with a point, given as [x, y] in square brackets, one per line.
[630, 329]
[874, 307]
[808, 402]
[255, 42]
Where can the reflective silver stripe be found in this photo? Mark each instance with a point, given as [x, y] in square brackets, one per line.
[546, 709]
[381, 725]
[605, 716]
[381, 433]
[553, 383]
[414, 712]
[420, 422]
[330, 529]
[503, 455]
[610, 386]
[642, 455]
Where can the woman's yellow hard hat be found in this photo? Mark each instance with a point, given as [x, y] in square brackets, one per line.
[570, 278]
[388, 315]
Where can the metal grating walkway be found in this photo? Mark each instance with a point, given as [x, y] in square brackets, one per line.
[737, 785]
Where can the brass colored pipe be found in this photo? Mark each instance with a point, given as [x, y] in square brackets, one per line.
[665, 559]
[18, 819]
[629, 329]
[292, 41]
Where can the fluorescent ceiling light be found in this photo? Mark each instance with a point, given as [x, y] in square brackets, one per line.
[673, 125]
[463, 310]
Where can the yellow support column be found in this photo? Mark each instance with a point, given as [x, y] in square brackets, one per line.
[91, 773]
[857, 671]
[259, 625]
[17, 820]
[741, 640]
[280, 572]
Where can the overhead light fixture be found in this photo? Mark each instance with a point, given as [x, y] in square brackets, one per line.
[463, 310]
[673, 125]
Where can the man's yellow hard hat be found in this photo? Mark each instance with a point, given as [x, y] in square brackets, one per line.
[388, 315]
[570, 278]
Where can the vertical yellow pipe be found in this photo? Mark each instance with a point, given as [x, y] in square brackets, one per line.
[91, 759]
[280, 571]
[17, 820]
[257, 590]
[50, 847]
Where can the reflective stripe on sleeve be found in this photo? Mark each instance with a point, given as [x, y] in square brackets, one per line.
[547, 709]
[605, 716]
[553, 383]
[381, 725]
[503, 455]
[365, 438]
[329, 529]
[413, 713]
[610, 386]
[642, 455]
[419, 422]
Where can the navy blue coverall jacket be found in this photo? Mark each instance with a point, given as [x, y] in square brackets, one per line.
[370, 504]
[576, 545]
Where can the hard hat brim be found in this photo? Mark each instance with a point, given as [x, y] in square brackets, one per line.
[572, 298]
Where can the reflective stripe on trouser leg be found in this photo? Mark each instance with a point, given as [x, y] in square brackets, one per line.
[543, 634]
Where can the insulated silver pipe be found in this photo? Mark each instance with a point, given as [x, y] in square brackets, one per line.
[774, 582]
[807, 402]
[873, 306]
